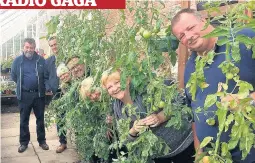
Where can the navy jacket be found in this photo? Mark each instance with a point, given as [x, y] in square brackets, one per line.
[17, 74]
[52, 81]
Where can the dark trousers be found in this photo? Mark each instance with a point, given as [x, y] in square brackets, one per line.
[29, 101]
[61, 124]
[186, 156]
[62, 133]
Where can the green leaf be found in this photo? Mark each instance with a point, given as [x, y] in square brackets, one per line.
[236, 52]
[253, 52]
[217, 32]
[223, 41]
[210, 100]
[224, 149]
[221, 113]
[230, 119]
[244, 39]
[173, 58]
[232, 144]
[206, 141]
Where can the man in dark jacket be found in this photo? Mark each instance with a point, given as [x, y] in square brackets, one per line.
[52, 86]
[28, 73]
[52, 83]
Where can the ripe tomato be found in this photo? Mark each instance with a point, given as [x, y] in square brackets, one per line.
[146, 34]
[206, 159]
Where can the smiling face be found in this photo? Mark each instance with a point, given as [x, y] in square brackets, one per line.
[190, 31]
[78, 71]
[113, 86]
[53, 46]
[29, 49]
[66, 77]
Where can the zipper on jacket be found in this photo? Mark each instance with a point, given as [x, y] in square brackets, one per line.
[36, 67]
[20, 81]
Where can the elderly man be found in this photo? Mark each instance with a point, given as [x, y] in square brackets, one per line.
[189, 28]
[28, 73]
[76, 67]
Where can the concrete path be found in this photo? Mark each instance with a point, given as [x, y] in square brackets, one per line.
[34, 153]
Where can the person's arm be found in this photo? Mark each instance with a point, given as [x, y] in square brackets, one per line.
[46, 77]
[196, 141]
[14, 71]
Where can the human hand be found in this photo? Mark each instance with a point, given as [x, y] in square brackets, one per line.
[233, 99]
[109, 119]
[137, 127]
[152, 120]
[109, 134]
[49, 93]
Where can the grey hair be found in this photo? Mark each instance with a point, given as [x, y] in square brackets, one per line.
[177, 16]
[30, 41]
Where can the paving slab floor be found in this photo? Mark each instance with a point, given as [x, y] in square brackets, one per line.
[34, 153]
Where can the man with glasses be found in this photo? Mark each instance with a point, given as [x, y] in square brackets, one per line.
[76, 67]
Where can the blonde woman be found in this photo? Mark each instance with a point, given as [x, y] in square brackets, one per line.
[180, 141]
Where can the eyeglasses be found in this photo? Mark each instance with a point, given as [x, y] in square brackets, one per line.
[53, 45]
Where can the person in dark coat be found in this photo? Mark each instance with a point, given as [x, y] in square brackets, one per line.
[179, 141]
[28, 73]
[52, 87]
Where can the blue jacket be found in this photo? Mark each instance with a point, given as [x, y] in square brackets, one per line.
[52, 81]
[17, 74]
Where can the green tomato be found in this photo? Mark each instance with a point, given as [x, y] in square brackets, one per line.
[161, 104]
[225, 86]
[236, 70]
[146, 34]
[229, 75]
[156, 30]
[154, 108]
[149, 99]
[141, 30]
[210, 121]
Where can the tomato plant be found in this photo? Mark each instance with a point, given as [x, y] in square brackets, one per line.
[137, 58]
[232, 112]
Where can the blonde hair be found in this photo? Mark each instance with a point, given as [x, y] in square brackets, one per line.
[106, 77]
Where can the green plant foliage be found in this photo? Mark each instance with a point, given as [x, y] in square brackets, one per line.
[126, 49]
[242, 114]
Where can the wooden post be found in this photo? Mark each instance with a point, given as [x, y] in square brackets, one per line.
[183, 54]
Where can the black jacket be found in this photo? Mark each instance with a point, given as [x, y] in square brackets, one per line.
[17, 74]
[52, 81]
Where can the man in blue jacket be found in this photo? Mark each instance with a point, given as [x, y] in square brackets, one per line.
[28, 73]
[189, 27]
[52, 86]
[52, 82]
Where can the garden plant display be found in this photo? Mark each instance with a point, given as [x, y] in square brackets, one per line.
[133, 49]
[238, 116]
